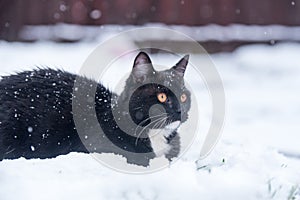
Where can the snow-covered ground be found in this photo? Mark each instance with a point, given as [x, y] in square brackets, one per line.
[233, 32]
[257, 157]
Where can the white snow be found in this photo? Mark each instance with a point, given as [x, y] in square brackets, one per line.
[258, 156]
[211, 32]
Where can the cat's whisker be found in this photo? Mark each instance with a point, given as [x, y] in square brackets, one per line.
[137, 108]
[160, 123]
[148, 125]
[155, 116]
[151, 118]
[161, 115]
[140, 133]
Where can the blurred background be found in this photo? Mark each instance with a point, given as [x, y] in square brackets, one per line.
[222, 24]
[254, 44]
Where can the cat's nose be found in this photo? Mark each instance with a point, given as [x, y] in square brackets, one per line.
[178, 110]
[178, 113]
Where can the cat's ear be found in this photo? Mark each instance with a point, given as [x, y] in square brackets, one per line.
[142, 67]
[180, 67]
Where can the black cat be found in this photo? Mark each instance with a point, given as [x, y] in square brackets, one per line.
[45, 113]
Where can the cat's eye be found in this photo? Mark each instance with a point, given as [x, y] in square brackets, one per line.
[183, 98]
[162, 97]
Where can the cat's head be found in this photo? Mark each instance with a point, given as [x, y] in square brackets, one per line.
[157, 99]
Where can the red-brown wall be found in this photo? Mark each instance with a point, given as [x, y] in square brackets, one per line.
[15, 13]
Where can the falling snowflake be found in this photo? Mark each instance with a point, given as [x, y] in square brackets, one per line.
[30, 129]
[95, 14]
[32, 148]
[62, 7]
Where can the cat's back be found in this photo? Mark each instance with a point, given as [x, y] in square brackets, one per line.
[36, 110]
[32, 91]
[32, 95]
[27, 82]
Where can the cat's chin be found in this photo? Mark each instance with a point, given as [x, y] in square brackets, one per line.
[173, 125]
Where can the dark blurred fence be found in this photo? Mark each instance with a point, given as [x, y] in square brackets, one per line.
[16, 13]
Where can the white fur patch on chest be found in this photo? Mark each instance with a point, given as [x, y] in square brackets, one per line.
[158, 139]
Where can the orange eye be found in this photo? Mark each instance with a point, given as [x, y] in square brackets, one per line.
[183, 98]
[162, 97]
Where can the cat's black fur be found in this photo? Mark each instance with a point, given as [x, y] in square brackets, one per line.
[37, 113]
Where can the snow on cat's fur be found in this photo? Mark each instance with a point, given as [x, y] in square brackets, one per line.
[37, 118]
